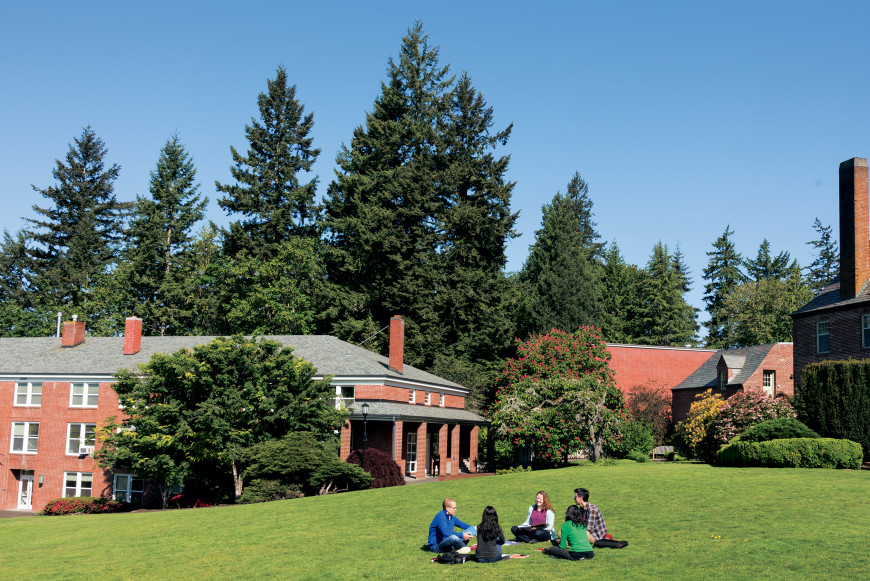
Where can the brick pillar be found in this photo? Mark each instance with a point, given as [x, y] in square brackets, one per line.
[399, 445]
[472, 449]
[854, 227]
[454, 449]
[345, 450]
[421, 451]
[443, 449]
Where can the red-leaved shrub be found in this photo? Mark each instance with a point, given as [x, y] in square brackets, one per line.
[83, 505]
[381, 466]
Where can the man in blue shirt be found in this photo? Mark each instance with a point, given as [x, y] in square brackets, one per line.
[442, 537]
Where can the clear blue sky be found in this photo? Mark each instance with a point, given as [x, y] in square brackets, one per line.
[683, 117]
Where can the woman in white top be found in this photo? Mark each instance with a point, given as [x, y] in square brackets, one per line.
[538, 525]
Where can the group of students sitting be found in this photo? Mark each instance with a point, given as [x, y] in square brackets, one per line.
[584, 529]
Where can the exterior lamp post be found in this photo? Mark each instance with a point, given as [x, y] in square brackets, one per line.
[365, 411]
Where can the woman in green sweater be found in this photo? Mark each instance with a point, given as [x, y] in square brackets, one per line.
[574, 544]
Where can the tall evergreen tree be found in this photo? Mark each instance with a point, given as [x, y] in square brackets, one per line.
[826, 265]
[383, 211]
[620, 297]
[77, 237]
[160, 238]
[559, 270]
[722, 274]
[691, 313]
[665, 317]
[268, 192]
[767, 267]
[578, 192]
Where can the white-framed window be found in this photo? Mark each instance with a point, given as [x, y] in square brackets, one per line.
[29, 393]
[78, 435]
[865, 330]
[25, 437]
[823, 337]
[128, 488]
[77, 483]
[84, 395]
[768, 382]
[411, 395]
[441, 400]
[428, 398]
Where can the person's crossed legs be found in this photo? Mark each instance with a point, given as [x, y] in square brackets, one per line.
[451, 543]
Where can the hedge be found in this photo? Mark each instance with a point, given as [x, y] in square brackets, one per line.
[834, 399]
[83, 505]
[793, 453]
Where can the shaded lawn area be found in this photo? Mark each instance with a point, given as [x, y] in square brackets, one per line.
[767, 524]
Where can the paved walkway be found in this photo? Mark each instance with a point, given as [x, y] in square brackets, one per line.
[409, 480]
[14, 513]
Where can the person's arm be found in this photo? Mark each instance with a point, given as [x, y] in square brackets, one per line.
[595, 528]
[500, 540]
[528, 520]
[551, 520]
[565, 532]
[433, 532]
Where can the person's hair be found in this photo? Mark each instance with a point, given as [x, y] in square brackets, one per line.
[489, 529]
[446, 500]
[582, 493]
[577, 515]
[546, 504]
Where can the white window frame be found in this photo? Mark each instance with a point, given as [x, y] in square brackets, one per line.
[412, 395]
[26, 438]
[823, 329]
[131, 492]
[865, 331]
[88, 392]
[77, 488]
[428, 398]
[81, 439]
[768, 382]
[441, 400]
[723, 379]
[27, 390]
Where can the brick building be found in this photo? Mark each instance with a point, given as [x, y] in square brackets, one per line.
[54, 393]
[765, 367]
[659, 366]
[836, 323]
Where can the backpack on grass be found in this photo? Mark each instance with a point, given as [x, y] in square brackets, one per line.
[451, 558]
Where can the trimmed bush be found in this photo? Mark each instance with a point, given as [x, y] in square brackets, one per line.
[834, 399]
[793, 453]
[777, 429]
[381, 466]
[637, 456]
[83, 505]
[267, 491]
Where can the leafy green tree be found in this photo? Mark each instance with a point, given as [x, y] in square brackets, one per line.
[766, 267]
[559, 271]
[213, 402]
[77, 237]
[722, 274]
[826, 265]
[761, 310]
[269, 195]
[665, 318]
[160, 237]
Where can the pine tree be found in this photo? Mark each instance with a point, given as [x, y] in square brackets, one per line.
[826, 265]
[160, 238]
[620, 297]
[77, 238]
[765, 267]
[268, 194]
[722, 274]
[560, 270]
[665, 317]
[578, 192]
[383, 211]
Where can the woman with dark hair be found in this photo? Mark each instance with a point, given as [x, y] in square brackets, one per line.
[538, 525]
[575, 544]
[490, 537]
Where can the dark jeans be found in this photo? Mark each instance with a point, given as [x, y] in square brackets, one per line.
[561, 553]
[526, 535]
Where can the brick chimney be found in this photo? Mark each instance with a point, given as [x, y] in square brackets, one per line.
[854, 227]
[132, 335]
[397, 343]
[73, 333]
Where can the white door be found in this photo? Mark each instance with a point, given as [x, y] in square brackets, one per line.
[25, 490]
[412, 453]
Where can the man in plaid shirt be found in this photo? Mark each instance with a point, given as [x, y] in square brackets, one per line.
[596, 530]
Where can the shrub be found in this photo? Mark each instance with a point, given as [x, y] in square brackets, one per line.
[649, 404]
[794, 453]
[637, 456]
[381, 466]
[834, 399]
[743, 410]
[635, 436]
[513, 470]
[674, 457]
[268, 490]
[83, 505]
[777, 429]
[690, 434]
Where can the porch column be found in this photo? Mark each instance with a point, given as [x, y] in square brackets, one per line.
[399, 445]
[442, 449]
[454, 449]
[422, 452]
[472, 449]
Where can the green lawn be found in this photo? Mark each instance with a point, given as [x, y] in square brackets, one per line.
[767, 523]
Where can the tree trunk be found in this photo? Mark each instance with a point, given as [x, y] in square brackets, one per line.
[237, 481]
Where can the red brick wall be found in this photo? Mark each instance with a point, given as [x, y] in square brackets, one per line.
[845, 340]
[381, 393]
[51, 459]
[454, 401]
[635, 365]
[780, 360]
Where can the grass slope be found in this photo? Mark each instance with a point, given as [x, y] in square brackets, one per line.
[682, 521]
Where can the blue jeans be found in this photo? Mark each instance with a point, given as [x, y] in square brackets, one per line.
[451, 543]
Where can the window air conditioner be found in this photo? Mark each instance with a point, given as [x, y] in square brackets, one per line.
[86, 450]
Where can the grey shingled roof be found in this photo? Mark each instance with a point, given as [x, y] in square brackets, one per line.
[387, 410]
[829, 297]
[105, 356]
[745, 361]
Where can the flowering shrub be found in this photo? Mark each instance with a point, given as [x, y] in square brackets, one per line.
[651, 404]
[742, 410]
[690, 434]
[83, 505]
[184, 500]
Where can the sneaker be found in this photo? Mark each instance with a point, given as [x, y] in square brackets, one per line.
[533, 541]
[464, 550]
